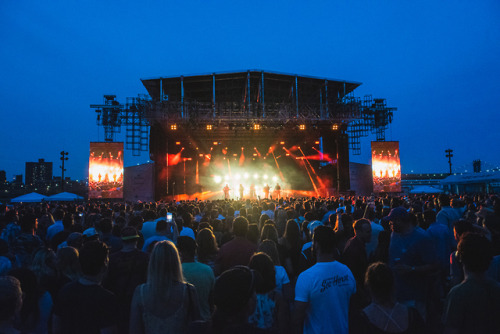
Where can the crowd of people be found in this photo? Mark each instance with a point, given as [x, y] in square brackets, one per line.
[385, 264]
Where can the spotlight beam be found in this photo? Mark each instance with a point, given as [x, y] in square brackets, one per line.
[308, 173]
[312, 169]
[277, 165]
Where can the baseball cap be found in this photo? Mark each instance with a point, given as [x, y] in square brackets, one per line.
[129, 233]
[398, 213]
[90, 232]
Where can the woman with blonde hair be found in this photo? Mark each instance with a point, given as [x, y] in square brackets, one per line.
[165, 303]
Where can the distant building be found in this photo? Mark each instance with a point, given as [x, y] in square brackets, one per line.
[38, 172]
[18, 179]
[3, 176]
[484, 182]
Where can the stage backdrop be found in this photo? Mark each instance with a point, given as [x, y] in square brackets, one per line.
[139, 183]
[106, 170]
[386, 166]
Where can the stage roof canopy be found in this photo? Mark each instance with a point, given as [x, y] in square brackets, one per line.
[201, 87]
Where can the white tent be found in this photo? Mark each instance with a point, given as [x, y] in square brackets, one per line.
[425, 190]
[64, 197]
[29, 198]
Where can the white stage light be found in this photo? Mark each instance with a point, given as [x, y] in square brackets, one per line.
[217, 179]
[275, 178]
[255, 176]
[238, 176]
[246, 176]
[265, 176]
[226, 177]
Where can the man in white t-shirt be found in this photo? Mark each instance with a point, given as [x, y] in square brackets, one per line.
[323, 292]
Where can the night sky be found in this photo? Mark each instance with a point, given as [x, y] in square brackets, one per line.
[438, 62]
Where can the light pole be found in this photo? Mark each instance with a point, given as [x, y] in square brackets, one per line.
[449, 155]
[64, 157]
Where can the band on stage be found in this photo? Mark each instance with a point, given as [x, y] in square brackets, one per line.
[252, 194]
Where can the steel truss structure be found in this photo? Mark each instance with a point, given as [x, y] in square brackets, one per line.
[243, 100]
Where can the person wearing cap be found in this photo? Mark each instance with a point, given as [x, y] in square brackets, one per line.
[127, 269]
[90, 234]
[323, 292]
[412, 258]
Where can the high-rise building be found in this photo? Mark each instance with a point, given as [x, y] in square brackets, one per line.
[3, 176]
[37, 172]
[18, 179]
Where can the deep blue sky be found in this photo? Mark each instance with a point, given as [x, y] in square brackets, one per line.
[436, 61]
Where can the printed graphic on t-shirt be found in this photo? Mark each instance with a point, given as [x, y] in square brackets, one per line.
[334, 281]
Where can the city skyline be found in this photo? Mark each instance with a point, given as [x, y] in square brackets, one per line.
[437, 63]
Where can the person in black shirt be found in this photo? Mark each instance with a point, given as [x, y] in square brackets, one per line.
[127, 269]
[85, 306]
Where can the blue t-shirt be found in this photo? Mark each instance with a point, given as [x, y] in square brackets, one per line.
[413, 249]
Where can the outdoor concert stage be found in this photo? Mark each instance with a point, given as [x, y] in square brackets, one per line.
[250, 128]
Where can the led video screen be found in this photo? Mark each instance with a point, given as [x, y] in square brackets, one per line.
[386, 167]
[106, 170]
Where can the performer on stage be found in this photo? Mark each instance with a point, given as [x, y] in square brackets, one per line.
[252, 191]
[226, 191]
[242, 189]
[277, 191]
[266, 191]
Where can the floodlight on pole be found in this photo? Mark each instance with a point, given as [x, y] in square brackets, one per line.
[64, 157]
[449, 155]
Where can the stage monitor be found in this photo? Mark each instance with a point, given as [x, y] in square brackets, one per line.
[386, 167]
[106, 170]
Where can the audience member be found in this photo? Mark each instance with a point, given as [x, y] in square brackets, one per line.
[473, 306]
[85, 306]
[165, 303]
[237, 251]
[271, 311]
[385, 315]
[127, 269]
[10, 303]
[234, 297]
[198, 274]
[323, 292]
